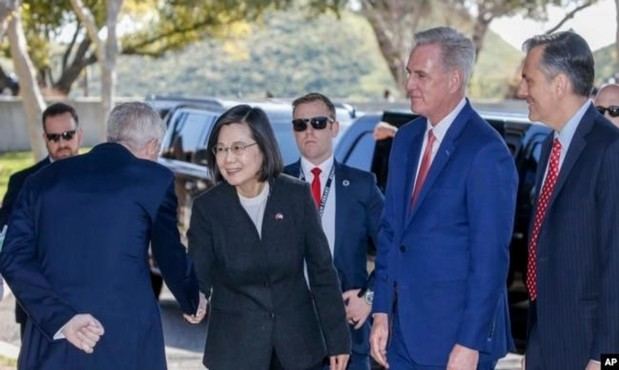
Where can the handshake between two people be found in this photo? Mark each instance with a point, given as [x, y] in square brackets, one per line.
[84, 331]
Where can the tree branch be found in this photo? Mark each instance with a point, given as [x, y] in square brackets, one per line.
[569, 16]
[129, 49]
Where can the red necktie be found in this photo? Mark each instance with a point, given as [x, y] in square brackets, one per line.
[426, 161]
[540, 213]
[316, 185]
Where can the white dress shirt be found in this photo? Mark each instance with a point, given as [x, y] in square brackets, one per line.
[328, 216]
[439, 130]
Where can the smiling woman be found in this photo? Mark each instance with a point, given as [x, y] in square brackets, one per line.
[249, 238]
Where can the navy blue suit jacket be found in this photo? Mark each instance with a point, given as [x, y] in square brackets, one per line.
[447, 258]
[358, 207]
[16, 181]
[578, 250]
[77, 242]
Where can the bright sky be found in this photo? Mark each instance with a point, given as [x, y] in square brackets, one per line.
[597, 24]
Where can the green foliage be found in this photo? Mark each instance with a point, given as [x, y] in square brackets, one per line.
[10, 163]
[606, 64]
[290, 53]
[497, 64]
[287, 54]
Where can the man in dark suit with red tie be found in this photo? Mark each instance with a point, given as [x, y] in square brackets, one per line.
[573, 266]
[350, 205]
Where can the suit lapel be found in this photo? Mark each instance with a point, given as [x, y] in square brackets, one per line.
[412, 162]
[442, 155]
[576, 147]
[541, 170]
[294, 169]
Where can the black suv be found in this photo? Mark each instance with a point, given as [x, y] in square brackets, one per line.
[358, 148]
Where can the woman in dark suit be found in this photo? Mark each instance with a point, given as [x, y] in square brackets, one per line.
[249, 238]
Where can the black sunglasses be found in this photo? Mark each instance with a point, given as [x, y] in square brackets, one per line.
[318, 123]
[613, 110]
[66, 136]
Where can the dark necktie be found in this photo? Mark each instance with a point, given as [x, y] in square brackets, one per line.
[540, 213]
[316, 185]
[426, 162]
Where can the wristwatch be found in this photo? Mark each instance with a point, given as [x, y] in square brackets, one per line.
[368, 297]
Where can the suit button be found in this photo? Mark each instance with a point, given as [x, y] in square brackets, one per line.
[272, 315]
[402, 248]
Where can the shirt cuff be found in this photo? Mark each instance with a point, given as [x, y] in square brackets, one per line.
[59, 335]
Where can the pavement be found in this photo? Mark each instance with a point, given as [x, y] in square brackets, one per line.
[184, 342]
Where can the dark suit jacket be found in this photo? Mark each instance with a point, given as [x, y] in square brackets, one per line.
[260, 300]
[78, 242]
[447, 258]
[578, 250]
[358, 207]
[16, 181]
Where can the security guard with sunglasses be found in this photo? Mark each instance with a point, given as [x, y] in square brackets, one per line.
[349, 204]
[62, 136]
[607, 102]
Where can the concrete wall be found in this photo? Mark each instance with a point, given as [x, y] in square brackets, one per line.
[13, 133]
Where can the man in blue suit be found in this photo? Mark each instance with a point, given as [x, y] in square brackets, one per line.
[444, 240]
[62, 136]
[573, 266]
[76, 251]
[350, 205]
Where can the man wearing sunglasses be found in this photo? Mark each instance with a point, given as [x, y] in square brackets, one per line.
[607, 102]
[349, 203]
[62, 136]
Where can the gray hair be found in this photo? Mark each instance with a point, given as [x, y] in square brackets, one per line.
[566, 52]
[134, 124]
[458, 51]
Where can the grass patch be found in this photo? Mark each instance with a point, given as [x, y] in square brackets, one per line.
[7, 362]
[11, 162]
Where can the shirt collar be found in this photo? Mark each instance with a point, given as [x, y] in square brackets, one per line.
[325, 167]
[440, 129]
[567, 132]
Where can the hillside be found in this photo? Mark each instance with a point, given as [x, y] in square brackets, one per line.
[605, 64]
[290, 53]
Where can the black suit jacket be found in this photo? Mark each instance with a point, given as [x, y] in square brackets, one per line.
[260, 300]
[578, 250]
[16, 181]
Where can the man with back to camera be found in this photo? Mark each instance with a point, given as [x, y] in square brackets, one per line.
[573, 264]
[63, 137]
[350, 205]
[607, 102]
[81, 271]
[443, 252]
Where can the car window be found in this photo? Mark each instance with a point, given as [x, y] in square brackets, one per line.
[362, 152]
[189, 133]
[285, 140]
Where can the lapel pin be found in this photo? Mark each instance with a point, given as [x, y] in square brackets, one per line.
[345, 183]
[279, 216]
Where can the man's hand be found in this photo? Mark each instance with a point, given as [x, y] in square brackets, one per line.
[384, 131]
[357, 309]
[462, 358]
[83, 331]
[378, 338]
[593, 365]
[197, 317]
[338, 362]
